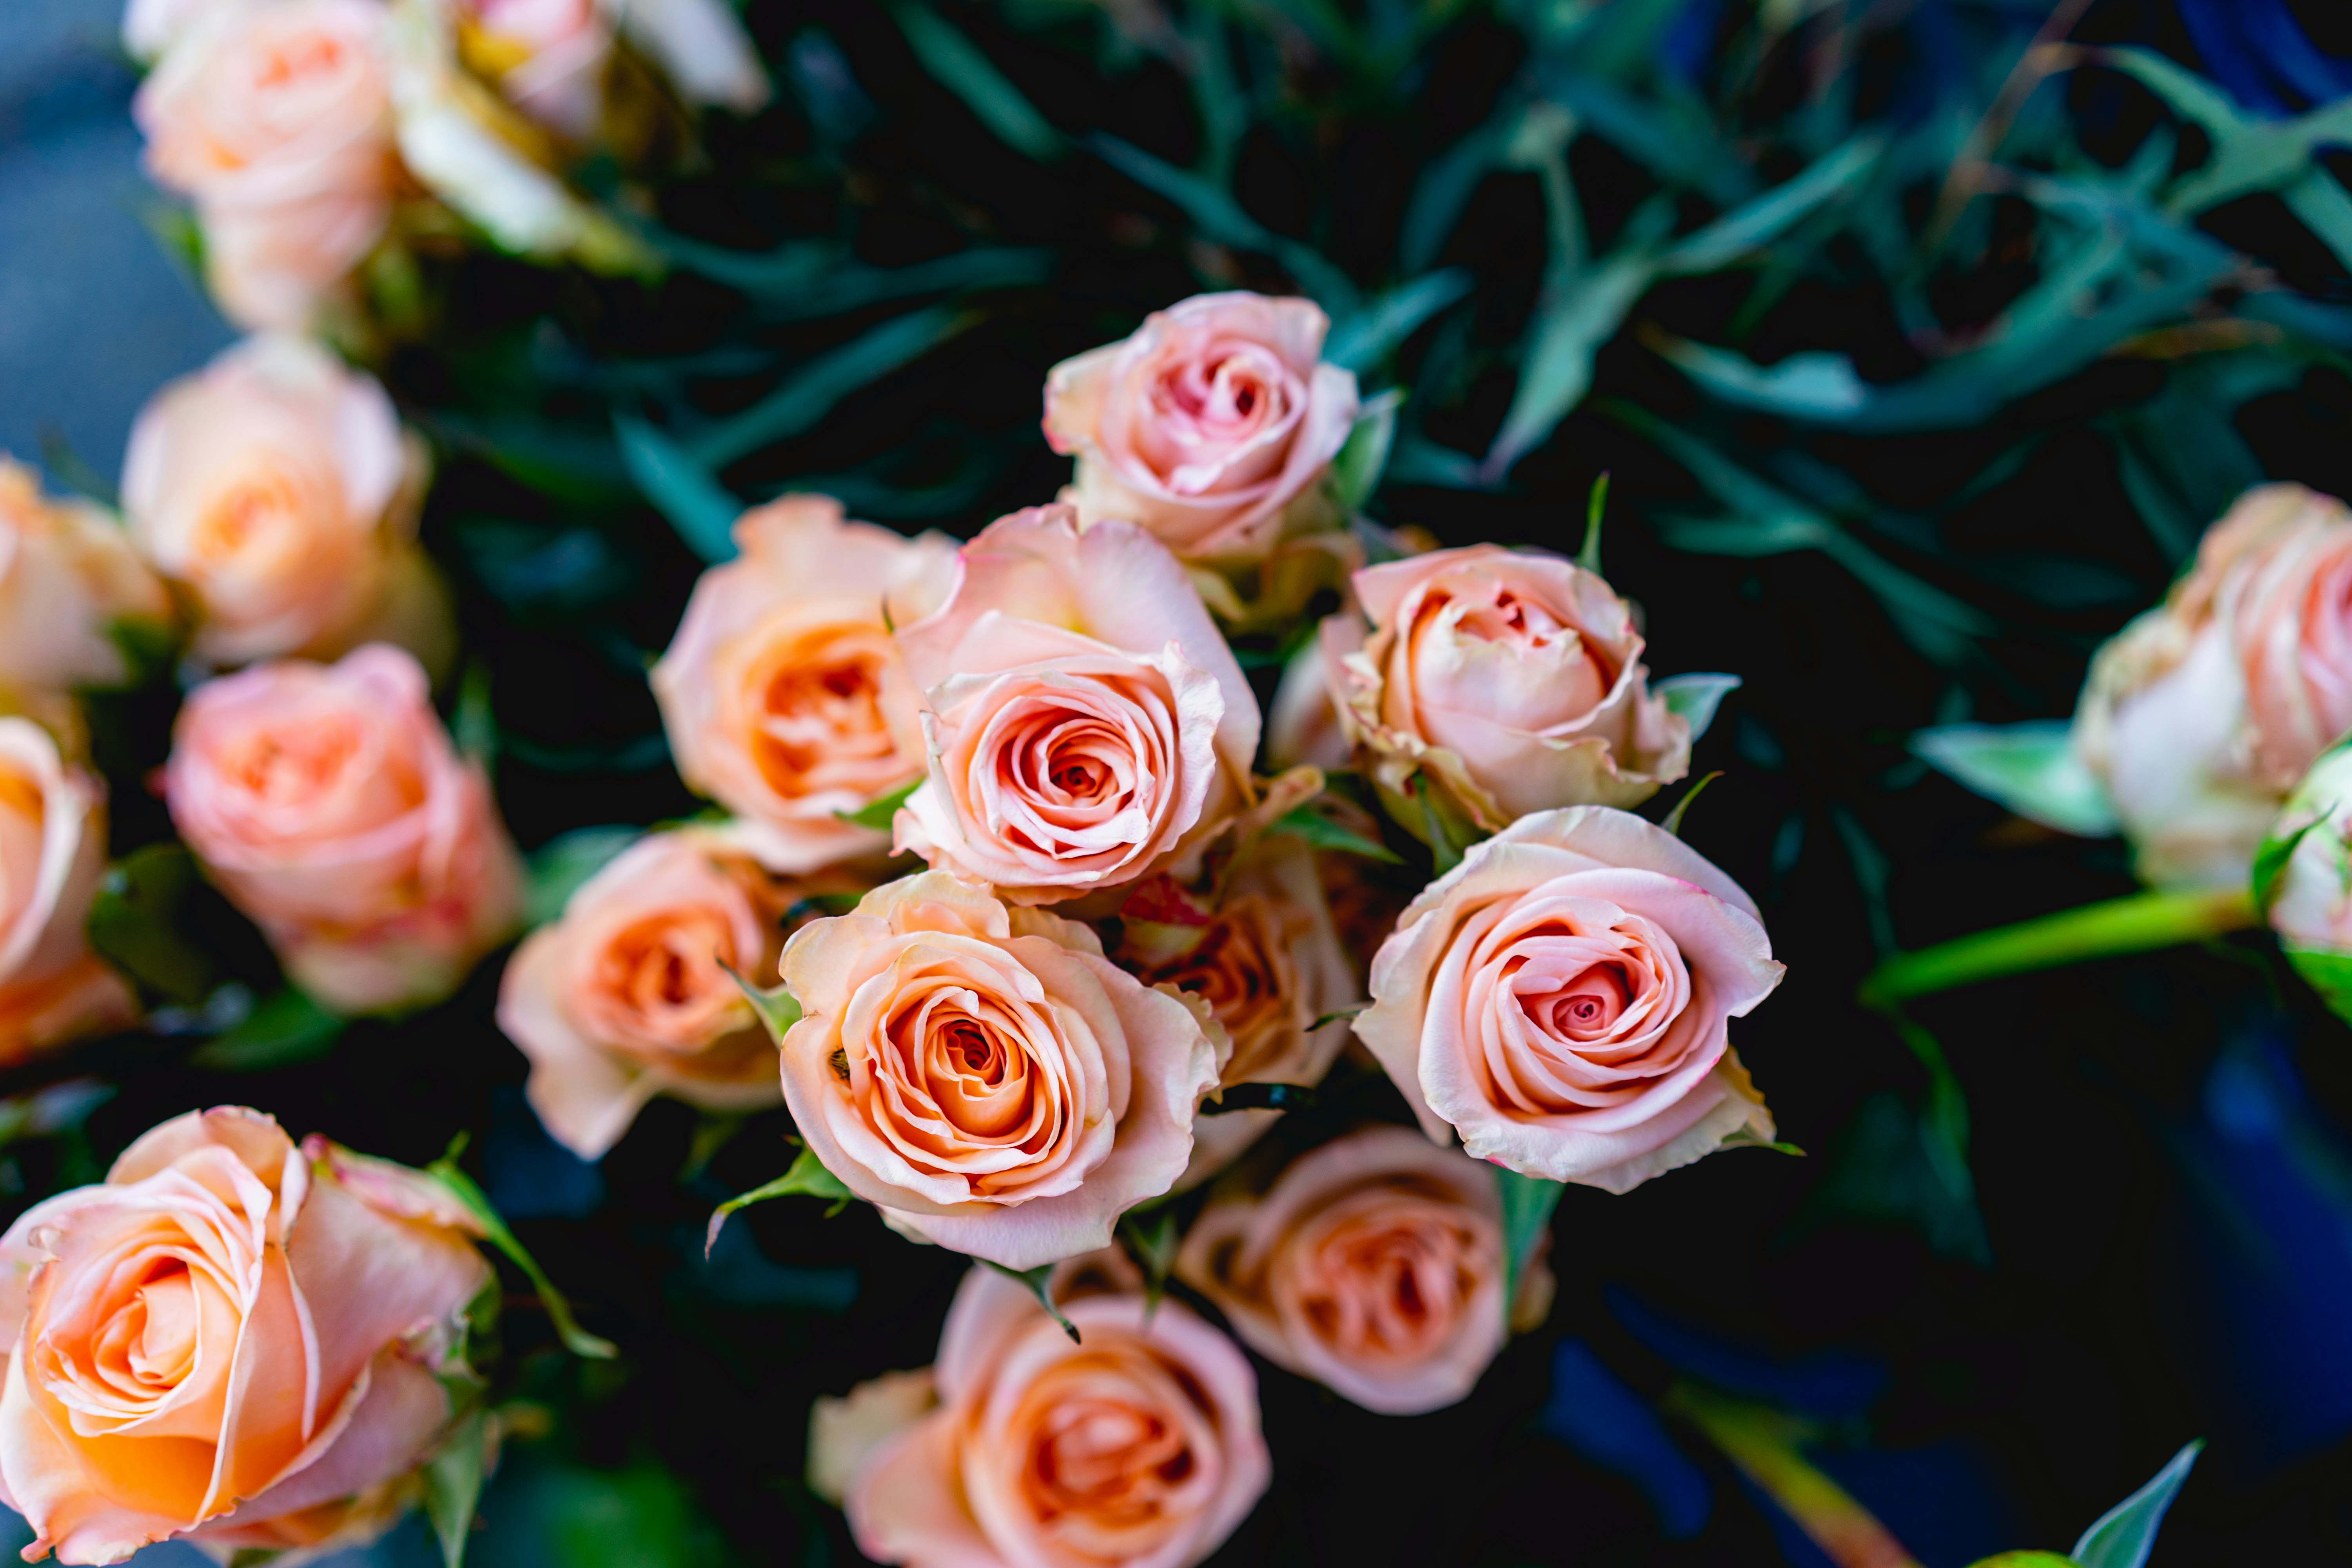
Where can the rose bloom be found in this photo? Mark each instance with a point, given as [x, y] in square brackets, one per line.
[547, 57]
[2202, 713]
[1084, 718]
[52, 854]
[1213, 426]
[69, 578]
[1562, 998]
[1374, 1265]
[1139, 1445]
[1510, 680]
[278, 490]
[784, 697]
[629, 995]
[231, 1340]
[326, 802]
[1268, 963]
[275, 116]
[984, 1075]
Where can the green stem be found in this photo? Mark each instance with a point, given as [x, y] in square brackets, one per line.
[2140, 922]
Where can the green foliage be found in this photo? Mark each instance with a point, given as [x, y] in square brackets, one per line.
[557, 867]
[283, 1030]
[806, 1178]
[470, 1197]
[883, 810]
[1528, 1203]
[2125, 1534]
[135, 923]
[2032, 768]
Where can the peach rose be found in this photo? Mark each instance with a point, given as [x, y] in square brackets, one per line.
[984, 1075]
[68, 577]
[1509, 680]
[1266, 961]
[1561, 999]
[2201, 716]
[275, 117]
[52, 854]
[225, 1340]
[1083, 716]
[1139, 1445]
[327, 803]
[785, 698]
[1213, 426]
[278, 490]
[1374, 1265]
[629, 994]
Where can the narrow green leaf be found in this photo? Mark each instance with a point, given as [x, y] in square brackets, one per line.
[806, 1178]
[134, 923]
[1673, 821]
[1808, 385]
[1220, 217]
[1576, 315]
[1765, 218]
[1356, 472]
[2185, 92]
[681, 488]
[286, 1029]
[461, 1186]
[1695, 696]
[881, 810]
[1365, 338]
[558, 866]
[1528, 1206]
[960, 66]
[808, 394]
[1304, 822]
[1594, 505]
[2032, 769]
[453, 1484]
[2321, 203]
[1040, 1281]
[2126, 1533]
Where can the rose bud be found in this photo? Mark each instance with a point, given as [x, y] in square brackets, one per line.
[1508, 682]
[1137, 1445]
[52, 854]
[2309, 895]
[1561, 999]
[2200, 715]
[984, 1075]
[1085, 721]
[277, 488]
[1374, 1265]
[1270, 967]
[784, 697]
[276, 119]
[70, 581]
[227, 1340]
[326, 802]
[630, 993]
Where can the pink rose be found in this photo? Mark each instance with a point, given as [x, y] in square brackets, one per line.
[1138, 1446]
[52, 854]
[1083, 716]
[2200, 715]
[1213, 426]
[327, 803]
[1373, 1265]
[1561, 999]
[276, 119]
[1509, 682]
[547, 57]
[785, 698]
[278, 490]
[224, 1340]
[984, 1075]
[629, 995]
[68, 579]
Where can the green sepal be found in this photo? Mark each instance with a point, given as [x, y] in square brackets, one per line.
[2270, 859]
[1040, 1280]
[477, 1205]
[1152, 1243]
[1322, 833]
[808, 1177]
[2123, 1536]
[2327, 972]
[1673, 821]
[1528, 1203]
[777, 1009]
[877, 814]
[453, 1483]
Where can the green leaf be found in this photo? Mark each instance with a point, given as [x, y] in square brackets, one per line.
[2026, 1560]
[807, 395]
[134, 923]
[1356, 470]
[1758, 222]
[2329, 974]
[286, 1029]
[1806, 386]
[1595, 505]
[777, 1009]
[1322, 833]
[1152, 1242]
[1220, 217]
[1365, 338]
[1040, 1280]
[2277, 849]
[1673, 821]
[557, 867]
[1695, 696]
[2032, 769]
[680, 486]
[453, 1483]
[461, 1187]
[1528, 1206]
[972, 77]
[806, 1178]
[1576, 315]
[2321, 203]
[2123, 1536]
[642, 1515]
[881, 810]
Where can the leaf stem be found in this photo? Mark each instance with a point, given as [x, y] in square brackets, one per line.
[2138, 922]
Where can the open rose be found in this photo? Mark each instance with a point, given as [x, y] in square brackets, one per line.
[1213, 426]
[1374, 1265]
[984, 1075]
[328, 803]
[1561, 999]
[2202, 715]
[68, 580]
[629, 994]
[276, 119]
[1511, 681]
[1267, 962]
[52, 853]
[1084, 718]
[227, 1340]
[1139, 1445]
[784, 697]
[278, 490]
